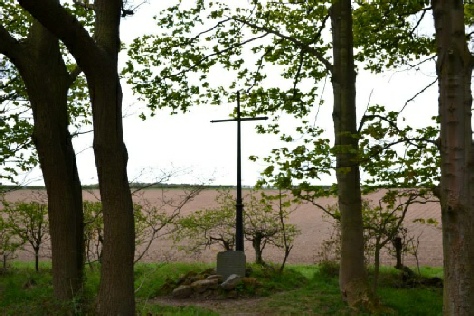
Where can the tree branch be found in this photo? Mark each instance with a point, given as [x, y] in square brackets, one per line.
[418, 93]
[303, 46]
[69, 30]
[8, 45]
[207, 57]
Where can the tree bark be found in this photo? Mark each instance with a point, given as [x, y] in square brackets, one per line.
[353, 278]
[257, 246]
[47, 81]
[454, 70]
[98, 58]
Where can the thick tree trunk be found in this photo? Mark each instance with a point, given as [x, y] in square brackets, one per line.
[353, 278]
[454, 70]
[116, 292]
[47, 82]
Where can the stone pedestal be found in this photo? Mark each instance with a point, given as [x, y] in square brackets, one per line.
[231, 262]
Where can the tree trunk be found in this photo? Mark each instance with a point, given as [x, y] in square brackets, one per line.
[454, 70]
[116, 292]
[353, 278]
[47, 82]
[375, 283]
[36, 259]
[257, 246]
[397, 244]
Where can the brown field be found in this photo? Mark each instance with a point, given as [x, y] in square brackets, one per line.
[314, 227]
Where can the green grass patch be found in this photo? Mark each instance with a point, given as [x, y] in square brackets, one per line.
[299, 290]
[150, 277]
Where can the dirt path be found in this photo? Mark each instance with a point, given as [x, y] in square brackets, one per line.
[240, 306]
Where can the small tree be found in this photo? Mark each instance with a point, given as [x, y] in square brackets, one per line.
[383, 222]
[266, 223]
[9, 242]
[288, 231]
[93, 231]
[29, 222]
[154, 221]
[261, 226]
[207, 227]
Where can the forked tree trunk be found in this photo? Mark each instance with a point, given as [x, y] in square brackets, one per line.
[47, 81]
[454, 70]
[98, 57]
[353, 278]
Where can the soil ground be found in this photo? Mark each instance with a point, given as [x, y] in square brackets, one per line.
[315, 227]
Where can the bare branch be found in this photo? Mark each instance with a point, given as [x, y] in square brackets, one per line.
[418, 93]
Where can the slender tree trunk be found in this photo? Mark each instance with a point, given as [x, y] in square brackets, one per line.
[36, 259]
[47, 82]
[397, 244]
[353, 278]
[257, 246]
[375, 283]
[454, 70]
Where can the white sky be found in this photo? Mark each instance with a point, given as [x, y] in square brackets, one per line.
[203, 150]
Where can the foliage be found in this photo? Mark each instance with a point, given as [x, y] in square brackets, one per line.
[288, 39]
[266, 220]
[28, 222]
[17, 152]
[9, 242]
[204, 228]
[389, 34]
[93, 231]
[393, 154]
[176, 68]
[15, 124]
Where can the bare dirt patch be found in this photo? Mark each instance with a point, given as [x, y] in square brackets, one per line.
[237, 306]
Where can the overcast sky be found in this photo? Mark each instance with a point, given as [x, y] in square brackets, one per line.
[203, 151]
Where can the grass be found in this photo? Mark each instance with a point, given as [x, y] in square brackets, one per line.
[300, 290]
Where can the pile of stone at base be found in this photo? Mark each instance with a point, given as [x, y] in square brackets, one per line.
[209, 285]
